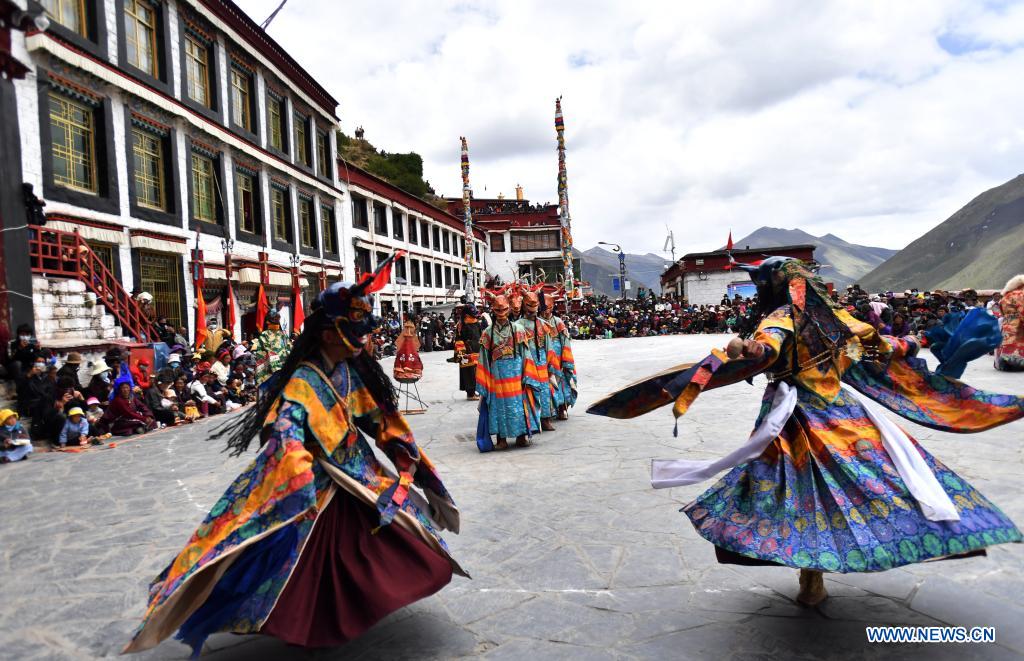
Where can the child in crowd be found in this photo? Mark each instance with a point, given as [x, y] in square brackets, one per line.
[94, 411]
[192, 411]
[76, 429]
[15, 444]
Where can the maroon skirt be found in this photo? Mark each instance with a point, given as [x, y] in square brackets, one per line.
[347, 579]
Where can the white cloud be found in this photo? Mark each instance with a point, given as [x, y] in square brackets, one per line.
[871, 120]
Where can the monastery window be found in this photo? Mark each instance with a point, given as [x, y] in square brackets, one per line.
[360, 215]
[149, 175]
[327, 220]
[241, 99]
[536, 241]
[69, 13]
[275, 122]
[73, 144]
[197, 70]
[204, 188]
[280, 213]
[497, 243]
[323, 155]
[140, 22]
[245, 201]
[307, 227]
[300, 125]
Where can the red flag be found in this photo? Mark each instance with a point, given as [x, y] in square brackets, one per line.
[299, 315]
[201, 331]
[262, 308]
[376, 281]
[728, 246]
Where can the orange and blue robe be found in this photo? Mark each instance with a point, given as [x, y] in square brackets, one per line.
[237, 572]
[825, 494]
[508, 381]
[541, 348]
[561, 363]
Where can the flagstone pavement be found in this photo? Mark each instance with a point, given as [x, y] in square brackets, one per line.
[573, 555]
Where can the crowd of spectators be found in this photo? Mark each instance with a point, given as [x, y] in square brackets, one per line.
[67, 402]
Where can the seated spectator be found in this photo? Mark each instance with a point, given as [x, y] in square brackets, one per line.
[15, 444]
[76, 430]
[157, 403]
[100, 381]
[200, 393]
[71, 368]
[235, 398]
[141, 374]
[94, 411]
[170, 403]
[126, 415]
[23, 352]
[222, 367]
[192, 411]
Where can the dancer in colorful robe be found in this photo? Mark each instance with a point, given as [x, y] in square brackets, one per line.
[271, 347]
[540, 349]
[826, 482]
[316, 540]
[507, 379]
[1010, 353]
[561, 363]
[467, 348]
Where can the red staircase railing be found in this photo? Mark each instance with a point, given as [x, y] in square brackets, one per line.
[66, 255]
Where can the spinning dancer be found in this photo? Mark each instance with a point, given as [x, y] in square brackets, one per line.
[271, 347]
[826, 482]
[507, 379]
[316, 540]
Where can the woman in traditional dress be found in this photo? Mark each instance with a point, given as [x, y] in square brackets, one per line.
[316, 540]
[506, 378]
[826, 482]
[1010, 354]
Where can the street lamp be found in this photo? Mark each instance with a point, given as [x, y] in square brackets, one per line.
[622, 265]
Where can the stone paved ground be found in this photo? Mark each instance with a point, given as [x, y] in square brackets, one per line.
[573, 554]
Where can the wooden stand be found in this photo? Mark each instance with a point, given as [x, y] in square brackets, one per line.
[411, 391]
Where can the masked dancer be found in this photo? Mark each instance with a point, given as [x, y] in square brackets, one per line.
[540, 348]
[467, 348]
[507, 378]
[316, 540]
[561, 363]
[826, 482]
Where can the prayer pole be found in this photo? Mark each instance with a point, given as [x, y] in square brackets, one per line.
[470, 284]
[563, 204]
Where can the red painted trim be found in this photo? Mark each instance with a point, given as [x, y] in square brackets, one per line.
[157, 235]
[247, 28]
[68, 218]
[355, 176]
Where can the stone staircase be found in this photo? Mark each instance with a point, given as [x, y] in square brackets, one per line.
[68, 315]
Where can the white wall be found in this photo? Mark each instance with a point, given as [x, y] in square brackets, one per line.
[711, 290]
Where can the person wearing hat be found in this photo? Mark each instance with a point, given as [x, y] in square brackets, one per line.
[100, 381]
[71, 368]
[222, 366]
[315, 541]
[271, 347]
[76, 429]
[141, 375]
[93, 410]
[15, 444]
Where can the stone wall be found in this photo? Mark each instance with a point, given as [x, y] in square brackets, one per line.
[65, 311]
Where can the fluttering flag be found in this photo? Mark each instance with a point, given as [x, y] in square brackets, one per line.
[376, 281]
[728, 246]
[262, 308]
[299, 315]
[231, 310]
[201, 330]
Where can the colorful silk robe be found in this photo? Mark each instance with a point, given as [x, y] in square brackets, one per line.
[561, 363]
[825, 494]
[508, 381]
[541, 349]
[314, 446]
[271, 349]
[1010, 354]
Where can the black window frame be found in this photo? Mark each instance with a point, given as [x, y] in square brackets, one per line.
[414, 272]
[301, 197]
[425, 233]
[397, 224]
[533, 240]
[436, 238]
[275, 97]
[380, 220]
[243, 67]
[446, 242]
[329, 209]
[107, 198]
[323, 170]
[220, 212]
[171, 215]
[362, 265]
[438, 276]
[414, 226]
[96, 27]
[359, 202]
[289, 213]
[428, 274]
[163, 81]
[258, 237]
[298, 117]
[212, 111]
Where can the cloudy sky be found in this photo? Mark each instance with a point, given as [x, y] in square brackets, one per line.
[874, 121]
